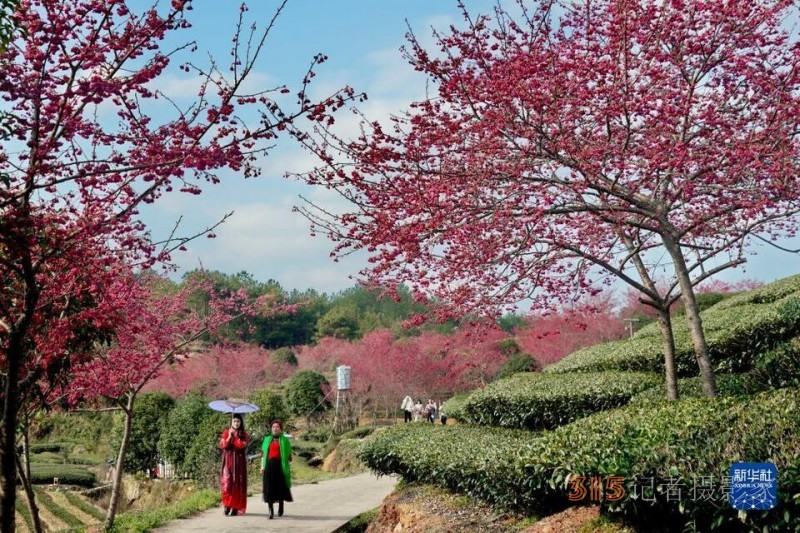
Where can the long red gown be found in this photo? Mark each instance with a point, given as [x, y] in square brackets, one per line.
[233, 478]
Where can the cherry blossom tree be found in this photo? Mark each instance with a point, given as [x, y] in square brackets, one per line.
[88, 138]
[554, 335]
[435, 365]
[153, 328]
[577, 142]
[208, 370]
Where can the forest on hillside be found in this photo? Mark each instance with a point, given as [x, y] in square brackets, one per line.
[391, 352]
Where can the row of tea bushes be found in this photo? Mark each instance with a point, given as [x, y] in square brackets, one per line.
[454, 407]
[775, 369]
[537, 401]
[66, 474]
[736, 335]
[777, 290]
[46, 500]
[687, 440]
[640, 354]
[727, 385]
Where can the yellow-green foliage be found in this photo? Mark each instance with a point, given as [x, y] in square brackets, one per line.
[688, 439]
[543, 401]
[454, 407]
[737, 330]
[43, 474]
[146, 520]
[727, 385]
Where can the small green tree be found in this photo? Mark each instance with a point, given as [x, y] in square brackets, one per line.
[202, 459]
[271, 407]
[182, 423]
[340, 322]
[519, 362]
[152, 413]
[305, 394]
[510, 322]
[284, 355]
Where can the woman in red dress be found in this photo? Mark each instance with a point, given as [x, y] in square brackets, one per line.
[233, 479]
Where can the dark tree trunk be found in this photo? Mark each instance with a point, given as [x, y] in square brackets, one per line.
[116, 486]
[671, 371]
[692, 317]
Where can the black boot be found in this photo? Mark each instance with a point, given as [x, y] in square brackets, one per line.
[280, 508]
[271, 512]
[227, 510]
[234, 512]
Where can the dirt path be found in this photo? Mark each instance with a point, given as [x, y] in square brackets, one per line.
[317, 508]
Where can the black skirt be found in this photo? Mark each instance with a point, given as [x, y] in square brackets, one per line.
[275, 489]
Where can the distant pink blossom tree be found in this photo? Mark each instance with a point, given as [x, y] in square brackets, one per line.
[385, 369]
[219, 371]
[554, 335]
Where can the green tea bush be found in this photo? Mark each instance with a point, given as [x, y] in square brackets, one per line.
[51, 458]
[285, 356]
[543, 401]
[43, 474]
[318, 433]
[53, 447]
[84, 505]
[736, 335]
[454, 407]
[770, 293]
[21, 506]
[686, 440]
[779, 367]
[358, 433]
[640, 354]
[727, 385]
[59, 512]
[518, 362]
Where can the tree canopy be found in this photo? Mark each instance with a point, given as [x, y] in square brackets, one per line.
[575, 143]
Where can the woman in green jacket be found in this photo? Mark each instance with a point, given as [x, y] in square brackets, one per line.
[275, 470]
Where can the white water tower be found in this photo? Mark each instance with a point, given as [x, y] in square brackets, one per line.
[342, 385]
[343, 377]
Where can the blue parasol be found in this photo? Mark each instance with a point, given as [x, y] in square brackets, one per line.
[232, 406]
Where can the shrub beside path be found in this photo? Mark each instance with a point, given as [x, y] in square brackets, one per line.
[317, 508]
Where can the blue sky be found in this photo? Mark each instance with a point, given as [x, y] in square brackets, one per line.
[362, 39]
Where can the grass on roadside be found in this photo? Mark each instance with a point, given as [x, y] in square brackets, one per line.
[142, 521]
[360, 523]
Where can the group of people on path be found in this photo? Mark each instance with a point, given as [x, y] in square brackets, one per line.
[417, 411]
[276, 474]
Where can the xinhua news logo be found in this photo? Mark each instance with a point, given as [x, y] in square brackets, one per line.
[754, 486]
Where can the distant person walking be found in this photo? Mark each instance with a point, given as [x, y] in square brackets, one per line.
[430, 411]
[276, 473]
[417, 412]
[407, 406]
[233, 478]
